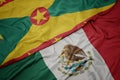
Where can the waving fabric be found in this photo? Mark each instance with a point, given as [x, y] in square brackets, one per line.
[61, 39]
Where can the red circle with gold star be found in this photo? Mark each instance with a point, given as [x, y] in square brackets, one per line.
[40, 16]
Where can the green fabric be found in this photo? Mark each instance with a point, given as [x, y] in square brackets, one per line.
[12, 30]
[31, 68]
[68, 6]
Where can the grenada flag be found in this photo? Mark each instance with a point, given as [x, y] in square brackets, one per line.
[87, 33]
[29, 26]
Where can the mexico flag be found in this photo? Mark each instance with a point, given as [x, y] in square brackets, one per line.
[59, 40]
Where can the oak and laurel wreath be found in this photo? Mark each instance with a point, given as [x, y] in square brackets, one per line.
[86, 67]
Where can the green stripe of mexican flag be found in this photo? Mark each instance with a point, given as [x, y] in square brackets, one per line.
[31, 68]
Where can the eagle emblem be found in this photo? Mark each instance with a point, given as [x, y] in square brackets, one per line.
[73, 60]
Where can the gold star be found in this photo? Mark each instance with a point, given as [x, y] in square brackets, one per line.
[29, 53]
[2, 1]
[57, 39]
[85, 22]
[1, 38]
[39, 16]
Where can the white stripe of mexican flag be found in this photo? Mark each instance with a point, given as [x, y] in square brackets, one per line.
[94, 69]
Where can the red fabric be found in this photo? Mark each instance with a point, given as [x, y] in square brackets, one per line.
[103, 31]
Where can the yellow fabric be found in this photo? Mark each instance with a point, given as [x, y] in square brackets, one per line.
[55, 26]
[21, 8]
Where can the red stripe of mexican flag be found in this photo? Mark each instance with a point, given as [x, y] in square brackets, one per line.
[104, 34]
